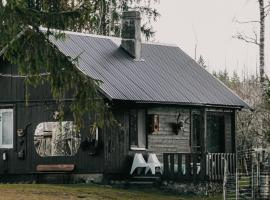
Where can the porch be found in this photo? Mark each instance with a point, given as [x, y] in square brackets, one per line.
[209, 166]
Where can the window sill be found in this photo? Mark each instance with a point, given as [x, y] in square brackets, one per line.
[6, 147]
[138, 148]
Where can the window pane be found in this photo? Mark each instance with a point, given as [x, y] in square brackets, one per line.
[141, 129]
[133, 133]
[56, 139]
[7, 128]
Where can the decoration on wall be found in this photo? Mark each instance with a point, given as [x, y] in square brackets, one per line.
[179, 125]
[56, 139]
[91, 143]
[22, 139]
[154, 123]
[56, 115]
[22, 132]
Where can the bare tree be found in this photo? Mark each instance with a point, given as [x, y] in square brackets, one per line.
[258, 40]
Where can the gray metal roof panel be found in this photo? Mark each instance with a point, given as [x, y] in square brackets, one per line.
[167, 74]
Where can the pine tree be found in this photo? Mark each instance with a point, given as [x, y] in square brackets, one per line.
[235, 81]
[202, 62]
[224, 77]
[26, 46]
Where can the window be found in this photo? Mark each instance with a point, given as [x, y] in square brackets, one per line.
[6, 128]
[56, 139]
[137, 129]
[215, 133]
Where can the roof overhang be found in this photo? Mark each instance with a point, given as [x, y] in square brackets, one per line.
[184, 104]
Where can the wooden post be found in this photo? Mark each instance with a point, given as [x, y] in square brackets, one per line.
[172, 174]
[234, 145]
[180, 171]
[166, 166]
[203, 141]
[225, 179]
[204, 130]
[194, 160]
[203, 174]
[188, 165]
[234, 150]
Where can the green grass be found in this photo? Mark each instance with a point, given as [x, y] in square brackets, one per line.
[86, 192]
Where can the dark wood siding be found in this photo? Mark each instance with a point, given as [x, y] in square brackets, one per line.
[166, 140]
[39, 109]
[116, 147]
[114, 154]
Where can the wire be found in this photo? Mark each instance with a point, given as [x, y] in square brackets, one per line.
[23, 76]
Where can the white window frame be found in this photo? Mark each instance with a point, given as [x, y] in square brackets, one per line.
[141, 131]
[6, 146]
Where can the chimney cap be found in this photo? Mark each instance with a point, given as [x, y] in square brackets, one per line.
[131, 14]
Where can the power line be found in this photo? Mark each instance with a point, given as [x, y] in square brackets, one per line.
[23, 76]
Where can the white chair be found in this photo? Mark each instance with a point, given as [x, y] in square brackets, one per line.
[138, 162]
[153, 163]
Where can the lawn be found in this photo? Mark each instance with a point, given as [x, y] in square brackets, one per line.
[85, 192]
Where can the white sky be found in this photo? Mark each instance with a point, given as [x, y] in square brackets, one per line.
[212, 22]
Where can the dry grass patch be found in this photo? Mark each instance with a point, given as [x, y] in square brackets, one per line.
[85, 192]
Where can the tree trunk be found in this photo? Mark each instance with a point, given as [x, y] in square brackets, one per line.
[261, 44]
[103, 24]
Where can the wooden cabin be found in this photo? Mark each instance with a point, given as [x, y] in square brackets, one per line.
[164, 102]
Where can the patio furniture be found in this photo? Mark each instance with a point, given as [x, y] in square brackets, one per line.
[138, 162]
[153, 163]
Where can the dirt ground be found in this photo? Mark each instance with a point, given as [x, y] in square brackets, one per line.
[85, 192]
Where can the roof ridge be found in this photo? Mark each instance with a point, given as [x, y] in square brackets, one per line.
[113, 38]
[161, 44]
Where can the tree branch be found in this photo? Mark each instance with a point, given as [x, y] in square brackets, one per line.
[20, 34]
[247, 39]
[246, 22]
[267, 12]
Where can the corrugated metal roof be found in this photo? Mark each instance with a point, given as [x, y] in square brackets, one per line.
[165, 75]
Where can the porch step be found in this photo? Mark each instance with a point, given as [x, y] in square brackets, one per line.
[141, 183]
[146, 178]
[143, 180]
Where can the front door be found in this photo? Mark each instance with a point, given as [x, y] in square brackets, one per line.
[215, 138]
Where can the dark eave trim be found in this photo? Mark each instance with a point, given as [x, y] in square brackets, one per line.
[237, 107]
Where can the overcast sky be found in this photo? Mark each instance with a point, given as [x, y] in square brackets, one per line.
[211, 24]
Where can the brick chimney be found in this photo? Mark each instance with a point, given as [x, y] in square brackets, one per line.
[131, 33]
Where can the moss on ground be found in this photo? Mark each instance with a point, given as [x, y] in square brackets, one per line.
[86, 192]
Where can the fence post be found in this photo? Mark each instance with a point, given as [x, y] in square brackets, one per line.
[166, 166]
[172, 176]
[188, 165]
[194, 167]
[225, 179]
[203, 172]
[180, 172]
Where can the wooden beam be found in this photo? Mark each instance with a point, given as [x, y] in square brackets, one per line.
[204, 131]
[234, 132]
[55, 168]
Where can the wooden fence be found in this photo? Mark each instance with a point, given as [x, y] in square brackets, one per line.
[197, 167]
[215, 164]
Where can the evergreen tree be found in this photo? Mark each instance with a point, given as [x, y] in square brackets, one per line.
[214, 73]
[224, 77]
[106, 20]
[202, 62]
[26, 46]
[235, 81]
